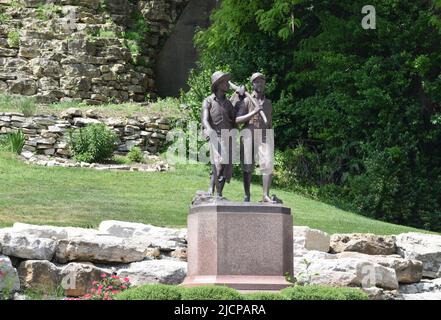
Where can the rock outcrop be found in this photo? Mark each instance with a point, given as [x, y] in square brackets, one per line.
[48, 258]
[92, 51]
[363, 243]
[9, 281]
[311, 239]
[423, 247]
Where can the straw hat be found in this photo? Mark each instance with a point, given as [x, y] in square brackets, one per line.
[217, 78]
[256, 76]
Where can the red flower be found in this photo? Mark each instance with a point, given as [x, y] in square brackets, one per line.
[115, 276]
[123, 287]
[126, 279]
[103, 275]
[115, 291]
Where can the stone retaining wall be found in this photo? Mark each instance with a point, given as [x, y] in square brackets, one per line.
[80, 49]
[47, 134]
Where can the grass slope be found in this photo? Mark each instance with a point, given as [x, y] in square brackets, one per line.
[85, 197]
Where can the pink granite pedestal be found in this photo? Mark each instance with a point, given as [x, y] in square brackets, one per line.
[244, 246]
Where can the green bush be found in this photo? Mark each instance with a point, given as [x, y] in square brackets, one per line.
[12, 142]
[121, 159]
[168, 292]
[48, 10]
[13, 39]
[94, 143]
[210, 293]
[135, 35]
[353, 294]
[26, 105]
[135, 155]
[5, 18]
[264, 296]
[151, 292]
[351, 108]
[317, 292]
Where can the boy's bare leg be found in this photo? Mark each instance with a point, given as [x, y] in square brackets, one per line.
[267, 178]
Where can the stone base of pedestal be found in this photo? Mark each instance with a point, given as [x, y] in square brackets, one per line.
[252, 283]
[244, 246]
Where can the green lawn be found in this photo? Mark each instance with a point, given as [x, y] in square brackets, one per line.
[168, 107]
[85, 197]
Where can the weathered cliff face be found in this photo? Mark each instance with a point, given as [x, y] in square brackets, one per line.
[89, 50]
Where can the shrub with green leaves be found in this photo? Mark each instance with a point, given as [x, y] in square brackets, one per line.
[47, 10]
[26, 105]
[94, 143]
[118, 159]
[13, 39]
[210, 293]
[151, 292]
[318, 292]
[135, 35]
[135, 155]
[264, 296]
[364, 103]
[5, 18]
[12, 142]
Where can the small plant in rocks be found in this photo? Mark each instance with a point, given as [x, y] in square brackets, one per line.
[106, 288]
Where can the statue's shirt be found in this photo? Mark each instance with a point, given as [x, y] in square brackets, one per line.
[256, 122]
[222, 115]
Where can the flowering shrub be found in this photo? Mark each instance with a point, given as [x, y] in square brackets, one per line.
[106, 289]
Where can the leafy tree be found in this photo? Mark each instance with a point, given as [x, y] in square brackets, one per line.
[365, 103]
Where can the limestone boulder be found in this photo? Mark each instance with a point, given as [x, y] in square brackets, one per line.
[375, 293]
[39, 275]
[180, 254]
[100, 248]
[423, 247]
[311, 239]
[9, 281]
[51, 232]
[155, 271]
[407, 270]
[425, 285]
[312, 255]
[347, 272]
[81, 122]
[77, 278]
[22, 245]
[436, 296]
[167, 239]
[71, 113]
[363, 243]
